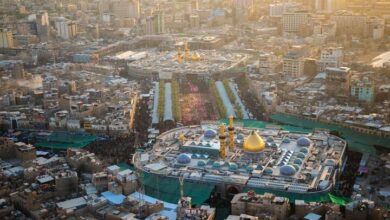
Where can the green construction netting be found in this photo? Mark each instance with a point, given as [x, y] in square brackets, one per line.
[168, 189]
[124, 166]
[61, 140]
[356, 141]
[339, 200]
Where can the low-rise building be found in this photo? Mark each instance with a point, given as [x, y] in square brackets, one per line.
[260, 205]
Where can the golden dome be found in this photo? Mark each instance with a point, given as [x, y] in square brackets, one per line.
[254, 143]
[182, 138]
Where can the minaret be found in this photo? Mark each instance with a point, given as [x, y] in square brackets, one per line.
[222, 142]
[179, 55]
[186, 51]
[231, 133]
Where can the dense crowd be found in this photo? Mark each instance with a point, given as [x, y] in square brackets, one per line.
[347, 178]
[114, 150]
[249, 98]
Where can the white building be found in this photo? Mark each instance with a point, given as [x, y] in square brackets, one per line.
[295, 22]
[66, 29]
[331, 57]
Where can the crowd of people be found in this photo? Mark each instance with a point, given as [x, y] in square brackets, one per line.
[117, 149]
[114, 150]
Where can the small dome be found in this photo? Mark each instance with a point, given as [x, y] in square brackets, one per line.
[259, 167]
[301, 155]
[330, 162]
[287, 170]
[183, 159]
[201, 163]
[286, 140]
[298, 161]
[296, 167]
[209, 133]
[216, 164]
[303, 142]
[249, 168]
[270, 139]
[304, 150]
[240, 136]
[254, 143]
[268, 171]
[233, 166]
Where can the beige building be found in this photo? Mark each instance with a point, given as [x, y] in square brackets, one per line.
[295, 22]
[263, 206]
[350, 24]
[6, 39]
[7, 148]
[25, 152]
[293, 64]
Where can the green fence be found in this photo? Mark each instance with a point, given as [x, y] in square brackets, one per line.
[63, 141]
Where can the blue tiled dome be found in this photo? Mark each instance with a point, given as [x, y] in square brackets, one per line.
[303, 142]
[233, 166]
[270, 139]
[304, 150]
[286, 140]
[287, 170]
[209, 133]
[240, 136]
[201, 163]
[183, 158]
[298, 161]
[249, 168]
[216, 164]
[301, 155]
[259, 167]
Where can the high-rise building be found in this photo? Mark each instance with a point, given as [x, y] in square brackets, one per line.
[295, 22]
[155, 24]
[350, 24]
[338, 82]
[194, 21]
[66, 29]
[6, 39]
[293, 64]
[331, 57]
[126, 9]
[43, 26]
[375, 28]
